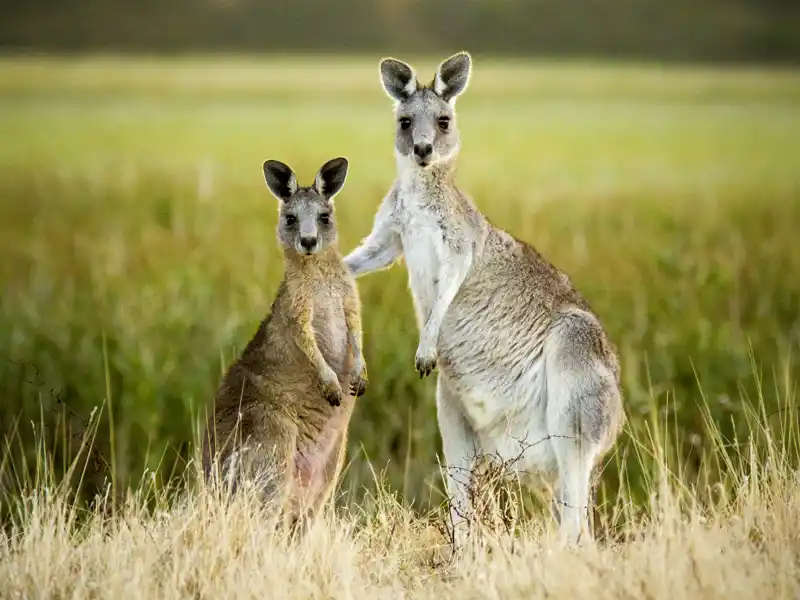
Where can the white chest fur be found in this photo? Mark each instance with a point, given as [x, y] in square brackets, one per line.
[422, 247]
[423, 258]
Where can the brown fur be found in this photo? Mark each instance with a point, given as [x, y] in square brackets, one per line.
[278, 423]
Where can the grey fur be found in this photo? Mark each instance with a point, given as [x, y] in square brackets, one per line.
[306, 223]
[425, 114]
[399, 79]
[526, 370]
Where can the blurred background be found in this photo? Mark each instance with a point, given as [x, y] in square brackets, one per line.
[716, 30]
[649, 149]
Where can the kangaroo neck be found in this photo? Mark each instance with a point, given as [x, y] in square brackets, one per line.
[439, 177]
[308, 266]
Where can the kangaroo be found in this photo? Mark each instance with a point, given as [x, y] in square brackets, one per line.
[281, 412]
[526, 372]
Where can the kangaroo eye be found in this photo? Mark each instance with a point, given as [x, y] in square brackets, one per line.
[405, 123]
[325, 218]
[444, 123]
[290, 220]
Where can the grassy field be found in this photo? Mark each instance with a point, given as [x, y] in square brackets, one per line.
[138, 254]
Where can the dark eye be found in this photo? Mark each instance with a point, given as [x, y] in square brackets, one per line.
[325, 218]
[290, 220]
[405, 123]
[444, 123]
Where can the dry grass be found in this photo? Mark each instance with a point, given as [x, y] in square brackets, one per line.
[739, 538]
[202, 548]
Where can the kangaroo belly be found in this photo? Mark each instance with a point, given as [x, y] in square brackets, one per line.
[323, 427]
[492, 351]
[316, 458]
[498, 372]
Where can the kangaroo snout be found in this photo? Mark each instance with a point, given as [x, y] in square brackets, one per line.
[423, 151]
[309, 244]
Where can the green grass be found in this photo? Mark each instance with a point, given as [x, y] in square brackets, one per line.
[137, 246]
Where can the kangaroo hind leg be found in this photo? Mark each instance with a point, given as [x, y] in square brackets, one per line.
[583, 412]
[461, 448]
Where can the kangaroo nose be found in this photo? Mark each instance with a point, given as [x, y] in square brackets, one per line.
[423, 150]
[308, 242]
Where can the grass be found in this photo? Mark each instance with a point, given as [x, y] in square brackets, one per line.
[138, 255]
[735, 539]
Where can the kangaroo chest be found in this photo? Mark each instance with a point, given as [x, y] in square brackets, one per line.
[423, 248]
[330, 328]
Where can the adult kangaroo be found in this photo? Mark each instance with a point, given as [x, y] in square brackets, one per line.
[525, 369]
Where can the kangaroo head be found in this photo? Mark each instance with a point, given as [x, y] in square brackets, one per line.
[426, 116]
[306, 223]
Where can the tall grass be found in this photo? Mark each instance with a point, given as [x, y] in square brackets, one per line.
[736, 538]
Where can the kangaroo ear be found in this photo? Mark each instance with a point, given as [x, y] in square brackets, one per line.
[331, 176]
[452, 76]
[399, 79]
[280, 179]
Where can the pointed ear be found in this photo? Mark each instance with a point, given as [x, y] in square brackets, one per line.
[399, 79]
[452, 76]
[280, 179]
[330, 178]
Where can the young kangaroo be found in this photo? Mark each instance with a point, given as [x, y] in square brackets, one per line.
[281, 414]
[525, 369]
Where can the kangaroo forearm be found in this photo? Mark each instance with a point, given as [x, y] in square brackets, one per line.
[309, 347]
[372, 256]
[306, 340]
[352, 317]
[382, 246]
[355, 348]
[326, 373]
